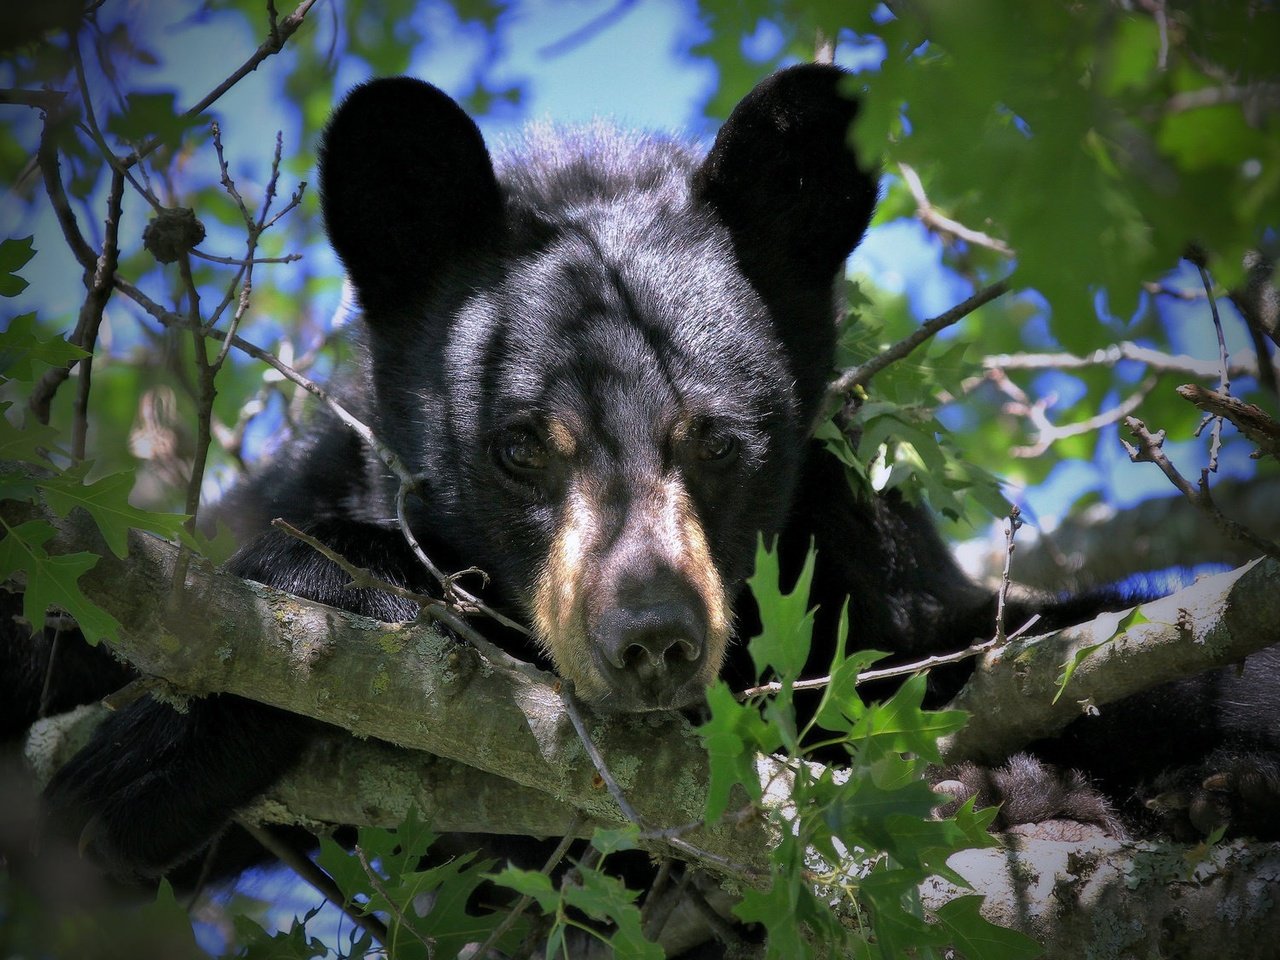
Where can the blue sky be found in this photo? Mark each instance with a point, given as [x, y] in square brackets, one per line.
[635, 71]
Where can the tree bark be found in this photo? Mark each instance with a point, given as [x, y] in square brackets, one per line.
[492, 749]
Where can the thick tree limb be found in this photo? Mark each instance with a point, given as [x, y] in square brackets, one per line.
[404, 683]
[380, 783]
[1101, 898]
[518, 767]
[1217, 621]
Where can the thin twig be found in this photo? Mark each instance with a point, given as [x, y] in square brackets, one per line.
[279, 33]
[1266, 95]
[1224, 378]
[433, 607]
[375, 881]
[1015, 524]
[902, 670]
[453, 593]
[1047, 433]
[170, 319]
[92, 311]
[1110, 356]
[928, 214]
[317, 878]
[241, 261]
[50, 168]
[525, 900]
[51, 174]
[860, 375]
[1149, 449]
[95, 132]
[48, 100]
[588, 31]
[384, 453]
[575, 716]
[1257, 426]
[207, 394]
[361, 577]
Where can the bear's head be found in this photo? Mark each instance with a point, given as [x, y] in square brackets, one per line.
[603, 353]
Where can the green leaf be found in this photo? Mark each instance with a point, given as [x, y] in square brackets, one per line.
[448, 923]
[29, 444]
[167, 924]
[530, 883]
[841, 704]
[776, 908]
[151, 114]
[1120, 623]
[976, 938]
[291, 944]
[107, 501]
[20, 348]
[732, 737]
[899, 724]
[611, 841]
[14, 254]
[604, 897]
[52, 580]
[15, 485]
[785, 618]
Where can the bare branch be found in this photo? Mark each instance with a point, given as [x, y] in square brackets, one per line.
[1155, 360]
[1251, 420]
[51, 172]
[588, 31]
[1224, 378]
[278, 35]
[1149, 450]
[1047, 433]
[861, 375]
[48, 100]
[320, 881]
[901, 670]
[929, 215]
[1015, 524]
[1259, 96]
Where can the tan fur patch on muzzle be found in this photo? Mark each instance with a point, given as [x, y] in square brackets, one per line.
[669, 525]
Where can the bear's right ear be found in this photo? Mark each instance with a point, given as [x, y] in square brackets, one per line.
[406, 186]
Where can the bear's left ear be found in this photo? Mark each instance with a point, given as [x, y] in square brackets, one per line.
[407, 188]
[782, 177]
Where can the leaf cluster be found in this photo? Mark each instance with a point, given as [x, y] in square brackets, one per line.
[857, 837]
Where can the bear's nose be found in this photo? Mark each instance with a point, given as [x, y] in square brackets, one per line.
[658, 644]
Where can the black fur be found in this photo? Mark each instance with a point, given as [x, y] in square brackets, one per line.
[608, 335]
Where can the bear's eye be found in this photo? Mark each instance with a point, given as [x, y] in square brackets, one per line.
[521, 450]
[715, 446]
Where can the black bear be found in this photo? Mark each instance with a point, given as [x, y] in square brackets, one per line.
[603, 355]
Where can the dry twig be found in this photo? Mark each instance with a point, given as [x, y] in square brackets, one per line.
[1149, 449]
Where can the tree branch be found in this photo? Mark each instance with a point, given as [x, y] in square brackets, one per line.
[406, 683]
[518, 767]
[1216, 621]
[861, 375]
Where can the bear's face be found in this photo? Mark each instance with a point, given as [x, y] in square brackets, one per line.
[603, 356]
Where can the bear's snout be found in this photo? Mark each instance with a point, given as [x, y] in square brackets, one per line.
[652, 653]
